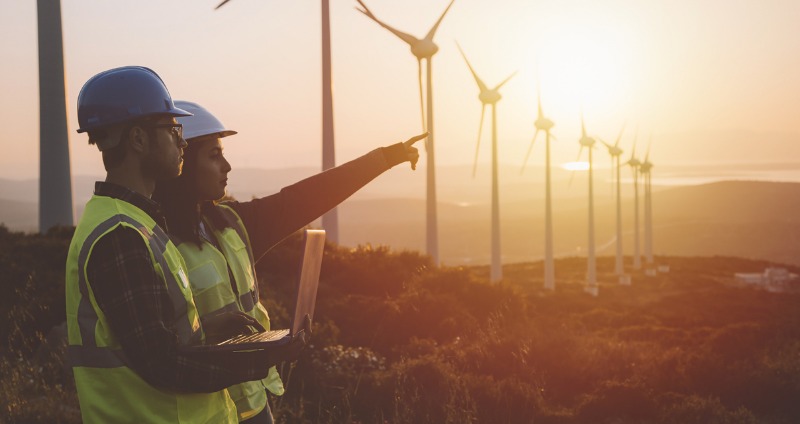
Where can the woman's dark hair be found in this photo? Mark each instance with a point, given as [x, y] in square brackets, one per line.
[178, 200]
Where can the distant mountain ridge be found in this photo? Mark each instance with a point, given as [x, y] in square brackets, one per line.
[734, 218]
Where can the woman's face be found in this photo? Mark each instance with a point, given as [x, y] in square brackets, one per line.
[212, 169]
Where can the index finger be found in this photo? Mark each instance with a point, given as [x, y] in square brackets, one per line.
[410, 142]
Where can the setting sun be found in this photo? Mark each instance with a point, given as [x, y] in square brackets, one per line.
[584, 62]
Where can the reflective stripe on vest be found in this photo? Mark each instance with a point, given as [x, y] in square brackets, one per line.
[88, 354]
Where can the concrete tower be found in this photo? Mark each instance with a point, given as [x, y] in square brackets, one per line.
[55, 179]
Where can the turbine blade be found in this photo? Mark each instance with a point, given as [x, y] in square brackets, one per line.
[619, 137]
[527, 155]
[633, 150]
[604, 143]
[481, 85]
[408, 38]
[647, 152]
[539, 100]
[432, 32]
[583, 126]
[221, 4]
[478, 145]
[421, 102]
[505, 81]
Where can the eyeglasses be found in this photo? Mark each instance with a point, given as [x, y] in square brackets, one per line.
[175, 129]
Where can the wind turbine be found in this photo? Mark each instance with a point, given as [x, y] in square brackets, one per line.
[490, 97]
[544, 124]
[330, 220]
[634, 163]
[615, 152]
[55, 177]
[423, 49]
[645, 169]
[591, 264]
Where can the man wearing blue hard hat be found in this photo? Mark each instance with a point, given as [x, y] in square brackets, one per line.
[131, 317]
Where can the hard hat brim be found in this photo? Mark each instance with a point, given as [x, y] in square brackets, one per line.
[221, 134]
[172, 112]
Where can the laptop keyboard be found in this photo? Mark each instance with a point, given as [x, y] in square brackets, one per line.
[258, 337]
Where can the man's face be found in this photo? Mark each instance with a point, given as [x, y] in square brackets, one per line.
[211, 175]
[165, 154]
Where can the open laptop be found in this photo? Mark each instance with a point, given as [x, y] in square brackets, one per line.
[310, 264]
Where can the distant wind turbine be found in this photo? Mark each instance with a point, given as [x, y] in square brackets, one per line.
[634, 163]
[645, 169]
[423, 49]
[591, 264]
[55, 177]
[615, 152]
[544, 124]
[330, 220]
[490, 97]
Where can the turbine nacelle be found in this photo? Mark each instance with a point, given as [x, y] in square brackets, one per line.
[543, 124]
[424, 49]
[634, 163]
[489, 97]
[585, 140]
[612, 150]
[645, 167]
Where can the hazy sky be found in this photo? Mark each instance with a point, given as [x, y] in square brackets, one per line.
[711, 79]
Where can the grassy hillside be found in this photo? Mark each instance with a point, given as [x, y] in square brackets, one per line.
[397, 340]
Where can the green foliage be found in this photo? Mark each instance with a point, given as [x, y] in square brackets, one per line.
[398, 340]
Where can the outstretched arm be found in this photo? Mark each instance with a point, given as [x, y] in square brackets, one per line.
[271, 219]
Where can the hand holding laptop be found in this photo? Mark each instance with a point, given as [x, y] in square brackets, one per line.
[222, 326]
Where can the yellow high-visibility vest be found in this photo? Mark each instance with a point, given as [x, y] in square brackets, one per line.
[210, 271]
[108, 389]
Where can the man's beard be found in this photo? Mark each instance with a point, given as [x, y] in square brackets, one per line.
[156, 167]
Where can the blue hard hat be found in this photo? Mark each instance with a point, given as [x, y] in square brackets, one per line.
[123, 94]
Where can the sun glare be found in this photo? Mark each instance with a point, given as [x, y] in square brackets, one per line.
[576, 166]
[584, 64]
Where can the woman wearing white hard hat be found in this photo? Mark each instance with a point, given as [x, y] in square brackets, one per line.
[222, 241]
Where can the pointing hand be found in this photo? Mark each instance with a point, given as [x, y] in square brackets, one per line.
[411, 151]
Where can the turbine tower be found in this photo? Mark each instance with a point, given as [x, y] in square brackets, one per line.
[55, 178]
[615, 152]
[544, 124]
[330, 220]
[591, 265]
[490, 97]
[634, 163]
[645, 169]
[423, 49]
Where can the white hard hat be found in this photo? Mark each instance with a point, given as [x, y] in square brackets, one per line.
[201, 123]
